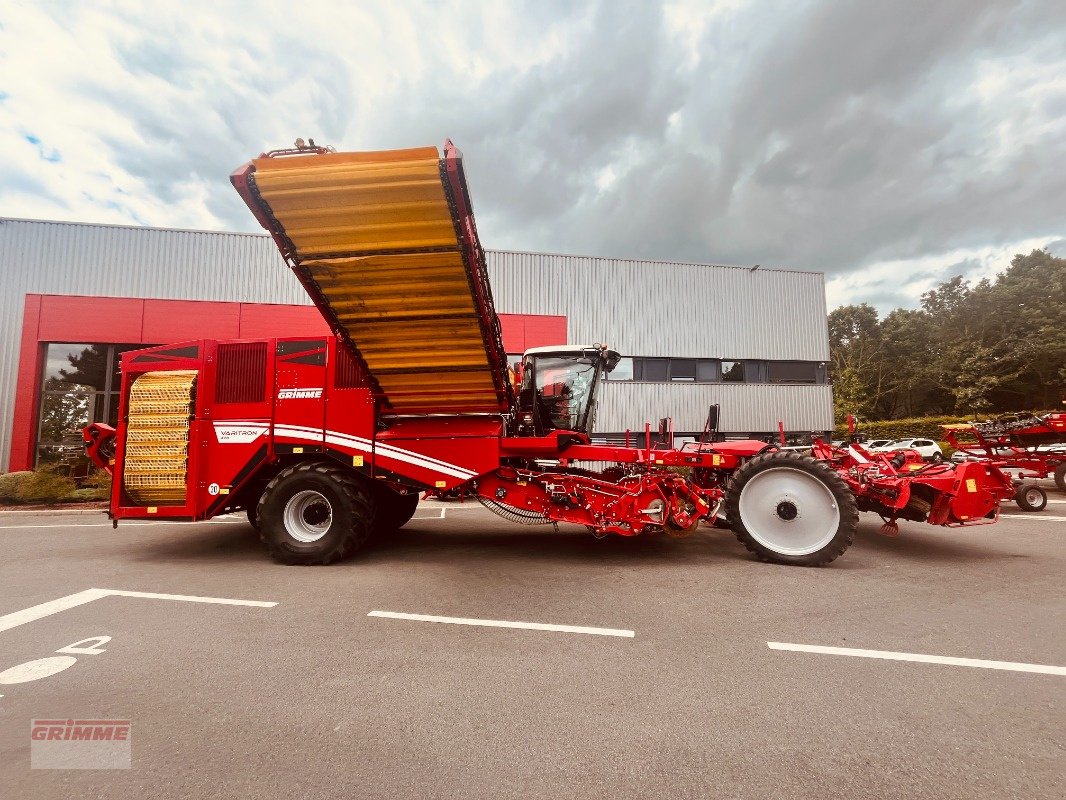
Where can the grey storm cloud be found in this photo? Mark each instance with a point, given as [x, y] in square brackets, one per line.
[815, 135]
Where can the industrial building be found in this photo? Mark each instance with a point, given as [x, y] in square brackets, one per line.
[75, 296]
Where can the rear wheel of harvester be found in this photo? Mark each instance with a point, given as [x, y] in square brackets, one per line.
[791, 509]
[1060, 476]
[1031, 497]
[314, 513]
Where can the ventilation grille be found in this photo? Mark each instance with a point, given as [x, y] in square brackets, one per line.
[349, 375]
[241, 375]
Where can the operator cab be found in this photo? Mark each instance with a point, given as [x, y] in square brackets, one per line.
[559, 387]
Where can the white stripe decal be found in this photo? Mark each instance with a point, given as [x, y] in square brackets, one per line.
[365, 445]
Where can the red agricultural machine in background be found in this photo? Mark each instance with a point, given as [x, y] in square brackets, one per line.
[327, 441]
[1034, 446]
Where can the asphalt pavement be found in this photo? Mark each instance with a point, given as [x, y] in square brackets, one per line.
[679, 695]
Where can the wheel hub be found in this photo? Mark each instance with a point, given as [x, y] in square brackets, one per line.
[308, 516]
[789, 511]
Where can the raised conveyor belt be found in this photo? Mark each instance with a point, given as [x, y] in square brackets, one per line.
[386, 246]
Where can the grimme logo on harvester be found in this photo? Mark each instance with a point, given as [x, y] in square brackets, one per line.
[299, 394]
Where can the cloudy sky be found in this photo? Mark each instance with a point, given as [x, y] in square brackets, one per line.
[889, 144]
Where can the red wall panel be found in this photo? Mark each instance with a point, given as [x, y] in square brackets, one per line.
[67, 318]
[278, 320]
[514, 332]
[543, 330]
[175, 320]
[24, 423]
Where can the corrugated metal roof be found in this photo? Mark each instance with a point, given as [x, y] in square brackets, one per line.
[639, 307]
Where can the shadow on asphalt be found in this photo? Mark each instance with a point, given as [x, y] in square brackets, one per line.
[918, 542]
[439, 541]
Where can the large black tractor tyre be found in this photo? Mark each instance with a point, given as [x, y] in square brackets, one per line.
[314, 513]
[789, 508]
[1030, 497]
[1060, 476]
[393, 510]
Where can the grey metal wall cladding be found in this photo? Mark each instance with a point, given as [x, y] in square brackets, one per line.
[745, 408]
[658, 308]
[638, 307]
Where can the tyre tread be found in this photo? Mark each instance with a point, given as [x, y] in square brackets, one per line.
[347, 544]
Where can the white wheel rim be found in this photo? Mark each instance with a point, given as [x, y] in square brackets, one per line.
[308, 516]
[1032, 496]
[789, 511]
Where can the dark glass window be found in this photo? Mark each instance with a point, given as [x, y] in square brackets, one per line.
[655, 369]
[792, 372]
[682, 369]
[622, 372]
[707, 371]
[733, 371]
[80, 385]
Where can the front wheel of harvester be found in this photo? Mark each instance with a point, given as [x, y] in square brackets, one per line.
[791, 509]
[314, 513]
[1030, 497]
[1060, 476]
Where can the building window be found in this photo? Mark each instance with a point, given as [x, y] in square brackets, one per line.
[711, 370]
[707, 371]
[652, 369]
[792, 372]
[81, 384]
[622, 372]
[733, 371]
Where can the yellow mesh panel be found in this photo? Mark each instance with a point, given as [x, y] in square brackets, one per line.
[157, 437]
[410, 313]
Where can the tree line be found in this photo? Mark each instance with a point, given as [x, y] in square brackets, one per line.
[976, 350]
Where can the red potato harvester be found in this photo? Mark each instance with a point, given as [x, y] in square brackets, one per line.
[325, 442]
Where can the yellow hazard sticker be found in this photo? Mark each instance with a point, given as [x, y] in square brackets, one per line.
[357, 461]
[971, 485]
[152, 509]
[441, 484]
[297, 449]
[716, 460]
[223, 491]
[658, 461]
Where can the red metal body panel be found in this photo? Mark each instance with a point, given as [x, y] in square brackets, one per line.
[441, 452]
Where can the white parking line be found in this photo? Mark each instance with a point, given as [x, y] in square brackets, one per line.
[34, 613]
[1034, 516]
[919, 657]
[499, 623]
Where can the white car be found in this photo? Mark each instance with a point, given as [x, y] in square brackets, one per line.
[929, 449]
[875, 444]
